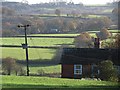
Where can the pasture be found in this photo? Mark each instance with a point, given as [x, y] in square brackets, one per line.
[37, 41]
[47, 82]
[37, 57]
[34, 53]
[47, 69]
[19, 53]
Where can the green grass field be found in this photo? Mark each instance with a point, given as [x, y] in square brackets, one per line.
[34, 54]
[38, 54]
[53, 34]
[47, 82]
[19, 53]
[44, 54]
[48, 69]
[37, 41]
[107, 11]
[94, 16]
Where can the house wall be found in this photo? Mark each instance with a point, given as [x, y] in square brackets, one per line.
[86, 71]
[68, 71]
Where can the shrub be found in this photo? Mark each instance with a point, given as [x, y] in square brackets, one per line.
[9, 66]
[107, 71]
[19, 70]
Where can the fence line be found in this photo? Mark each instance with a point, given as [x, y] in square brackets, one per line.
[18, 46]
[39, 36]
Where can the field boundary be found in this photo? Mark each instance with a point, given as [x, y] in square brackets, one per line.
[40, 36]
[18, 46]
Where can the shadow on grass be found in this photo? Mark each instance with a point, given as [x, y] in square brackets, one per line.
[55, 87]
[39, 62]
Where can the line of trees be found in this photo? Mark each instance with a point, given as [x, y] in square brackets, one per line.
[43, 25]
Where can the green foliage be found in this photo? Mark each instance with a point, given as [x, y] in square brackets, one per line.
[113, 42]
[107, 71]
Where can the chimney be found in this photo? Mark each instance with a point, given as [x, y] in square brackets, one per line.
[97, 43]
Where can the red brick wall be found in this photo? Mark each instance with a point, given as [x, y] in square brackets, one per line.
[86, 71]
[67, 71]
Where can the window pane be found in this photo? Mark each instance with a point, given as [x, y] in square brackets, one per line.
[78, 66]
[78, 69]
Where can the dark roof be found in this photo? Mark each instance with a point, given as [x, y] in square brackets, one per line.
[89, 55]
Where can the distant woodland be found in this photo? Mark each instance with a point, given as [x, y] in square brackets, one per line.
[52, 18]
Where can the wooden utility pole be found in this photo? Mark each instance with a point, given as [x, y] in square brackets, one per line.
[25, 46]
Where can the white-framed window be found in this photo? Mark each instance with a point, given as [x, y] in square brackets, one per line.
[78, 69]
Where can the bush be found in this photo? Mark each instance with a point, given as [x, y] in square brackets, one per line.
[19, 70]
[107, 71]
[10, 66]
